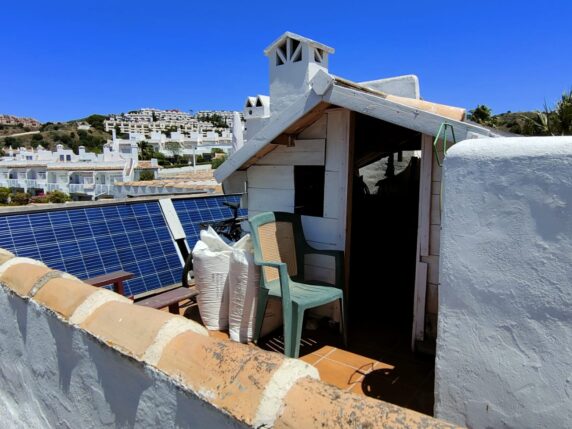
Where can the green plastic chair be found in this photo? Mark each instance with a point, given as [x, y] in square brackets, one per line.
[280, 248]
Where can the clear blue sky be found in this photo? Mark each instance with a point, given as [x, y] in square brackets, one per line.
[63, 60]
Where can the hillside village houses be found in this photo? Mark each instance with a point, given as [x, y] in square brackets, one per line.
[84, 174]
[116, 171]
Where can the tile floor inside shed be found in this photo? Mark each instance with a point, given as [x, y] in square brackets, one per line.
[378, 362]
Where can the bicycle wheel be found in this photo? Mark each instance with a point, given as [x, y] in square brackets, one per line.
[188, 273]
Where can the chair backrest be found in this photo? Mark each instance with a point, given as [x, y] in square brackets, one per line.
[276, 237]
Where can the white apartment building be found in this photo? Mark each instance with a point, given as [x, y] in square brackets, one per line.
[149, 120]
[180, 143]
[83, 175]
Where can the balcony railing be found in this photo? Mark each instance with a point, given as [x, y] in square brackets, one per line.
[103, 189]
[57, 187]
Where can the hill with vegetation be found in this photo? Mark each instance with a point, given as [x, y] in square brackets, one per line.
[50, 134]
[552, 121]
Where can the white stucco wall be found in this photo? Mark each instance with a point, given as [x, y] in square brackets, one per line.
[54, 375]
[504, 347]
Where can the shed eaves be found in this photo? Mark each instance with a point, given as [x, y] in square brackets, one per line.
[418, 115]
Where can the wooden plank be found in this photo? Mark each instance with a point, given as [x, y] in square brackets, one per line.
[451, 112]
[434, 240]
[338, 189]
[293, 158]
[109, 278]
[337, 147]
[318, 130]
[320, 274]
[345, 218]
[318, 260]
[305, 152]
[271, 200]
[271, 177]
[435, 215]
[399, 114]
[419, 302]
[169, 298]
[432, 299]
[433, 271]
[436, 172]
[423, 232]
[425, 194]
[332, 196]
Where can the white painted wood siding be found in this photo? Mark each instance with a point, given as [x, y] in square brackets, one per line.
[271, 188]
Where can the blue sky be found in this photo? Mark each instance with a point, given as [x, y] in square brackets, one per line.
[63, 60]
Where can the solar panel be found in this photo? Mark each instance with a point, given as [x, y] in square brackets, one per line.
[87, 242]
[194, 211]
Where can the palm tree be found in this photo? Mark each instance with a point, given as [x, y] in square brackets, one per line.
[557, 122]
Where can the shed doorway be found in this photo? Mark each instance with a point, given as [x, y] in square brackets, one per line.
[384, 209]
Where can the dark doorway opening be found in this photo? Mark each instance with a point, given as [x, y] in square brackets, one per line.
[384, 211]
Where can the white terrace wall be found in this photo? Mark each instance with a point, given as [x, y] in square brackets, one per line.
[504, 345]
[75, 356]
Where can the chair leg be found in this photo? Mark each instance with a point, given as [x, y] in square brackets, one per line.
[260, 312]
[292, 347]
[343, 322]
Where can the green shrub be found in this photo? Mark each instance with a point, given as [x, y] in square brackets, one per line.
[5, 195]
[20, 198]
[217, 162]
[58, 197]
[146, 175]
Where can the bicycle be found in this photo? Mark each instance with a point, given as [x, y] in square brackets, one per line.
[230, 229]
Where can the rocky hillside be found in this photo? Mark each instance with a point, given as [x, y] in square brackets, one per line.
[50, 134]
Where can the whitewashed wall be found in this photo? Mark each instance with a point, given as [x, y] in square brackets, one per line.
[504, 345]
[55, 375]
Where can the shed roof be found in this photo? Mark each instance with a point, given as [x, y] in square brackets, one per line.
[419, 115]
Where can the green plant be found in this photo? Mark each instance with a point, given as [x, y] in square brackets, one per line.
[482, 114]
[20, 198]
[96, 121]
[217, 162]
[146, 175]
[58, 197]
[5, 195]
[39, 199]
[10, 141]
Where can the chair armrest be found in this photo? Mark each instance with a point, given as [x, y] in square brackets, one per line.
[283, 273]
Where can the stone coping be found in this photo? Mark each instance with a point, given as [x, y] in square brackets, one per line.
[256, 387]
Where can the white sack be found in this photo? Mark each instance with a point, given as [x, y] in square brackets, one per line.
[211, 257]
[244, 282]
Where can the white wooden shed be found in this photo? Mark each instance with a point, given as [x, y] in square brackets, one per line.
[309, 146]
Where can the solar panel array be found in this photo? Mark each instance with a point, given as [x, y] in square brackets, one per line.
[90, 241]
[194, 211]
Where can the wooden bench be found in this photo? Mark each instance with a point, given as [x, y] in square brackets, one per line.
[170, 298]
[115, 278]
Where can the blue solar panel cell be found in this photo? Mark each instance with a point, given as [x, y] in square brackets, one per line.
[194, 211]
[96, 240]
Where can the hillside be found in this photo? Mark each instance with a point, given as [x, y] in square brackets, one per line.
[66, 133]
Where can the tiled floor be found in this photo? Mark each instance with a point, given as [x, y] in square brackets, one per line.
[379, 363]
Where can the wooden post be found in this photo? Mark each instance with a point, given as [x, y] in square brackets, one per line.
[423, 229]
